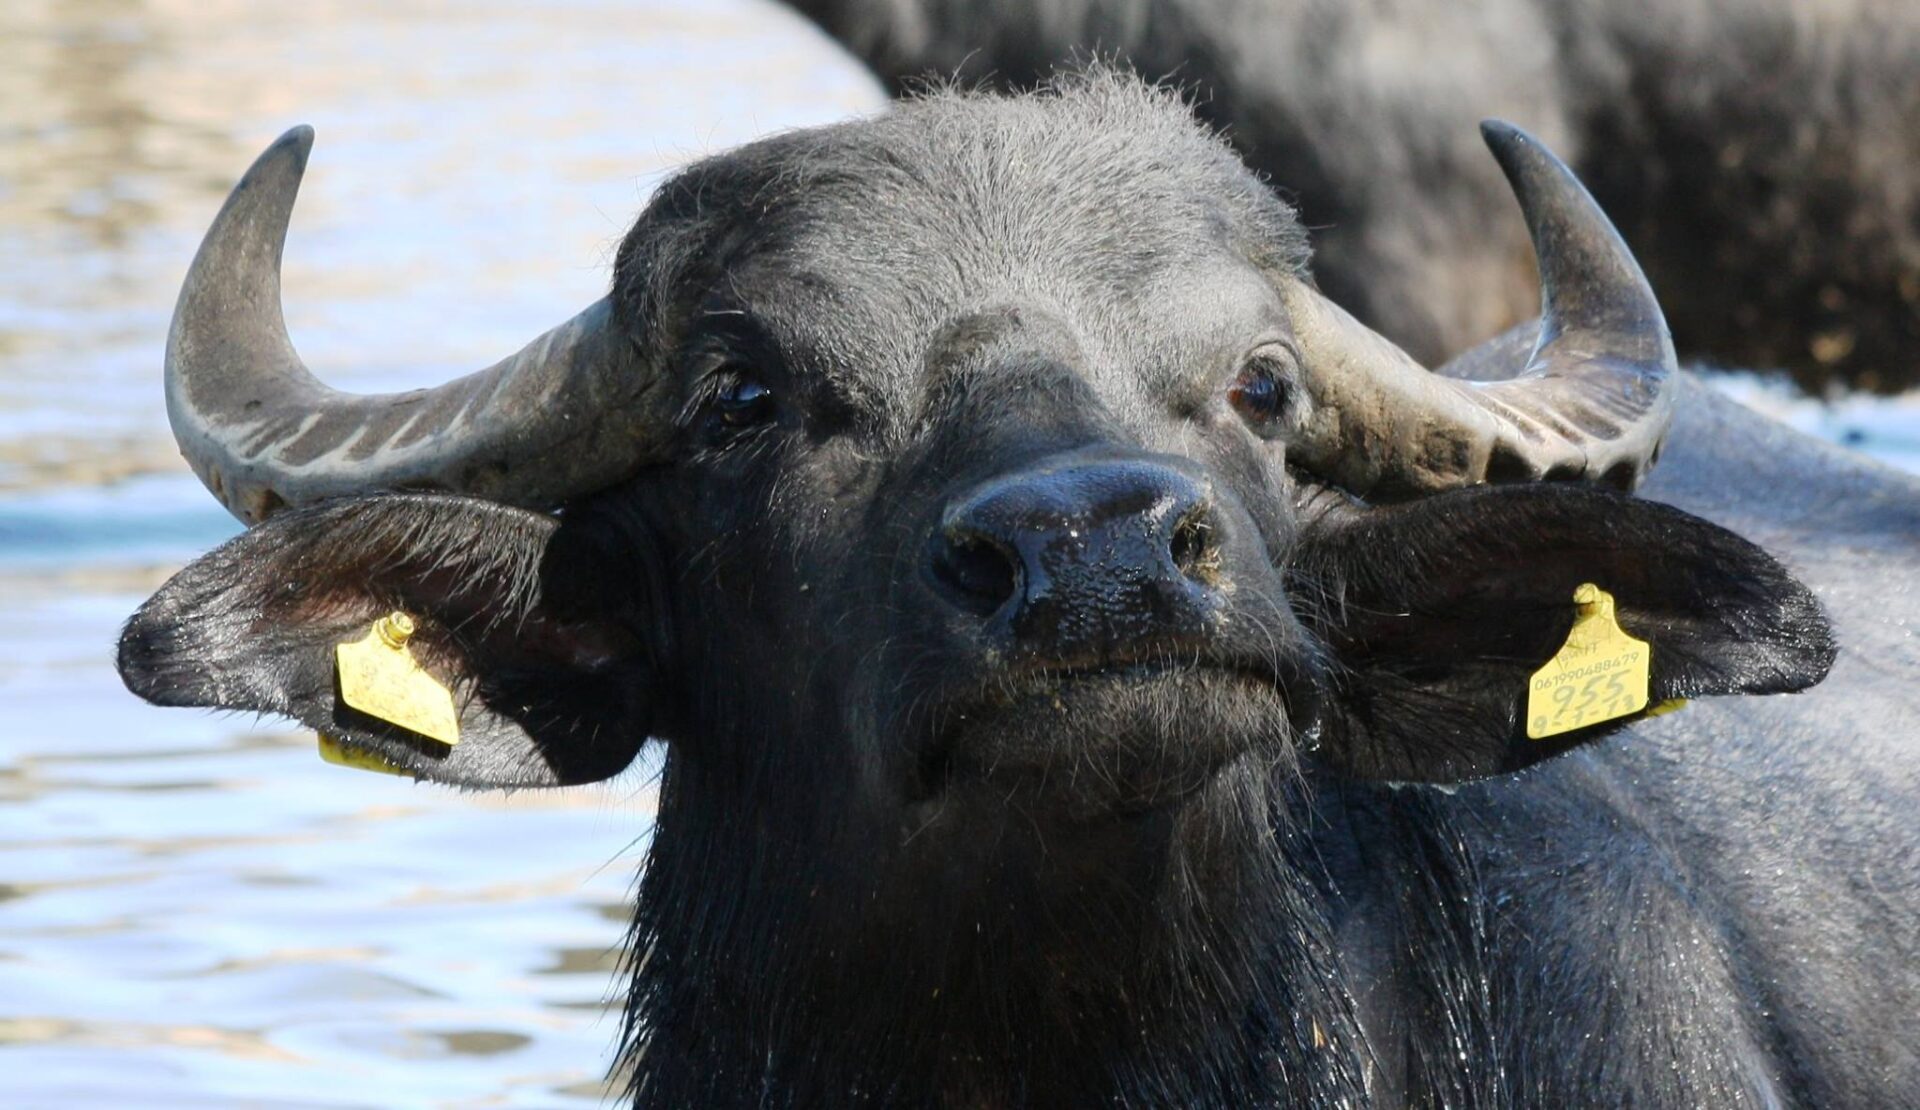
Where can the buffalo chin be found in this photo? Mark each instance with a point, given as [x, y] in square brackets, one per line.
[1102, 743]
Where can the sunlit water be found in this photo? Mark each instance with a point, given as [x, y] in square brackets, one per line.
[194, 910]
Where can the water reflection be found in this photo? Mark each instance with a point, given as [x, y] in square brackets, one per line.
[194, 910]
[100, 151]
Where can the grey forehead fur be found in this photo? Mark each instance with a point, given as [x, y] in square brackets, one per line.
[876, 231]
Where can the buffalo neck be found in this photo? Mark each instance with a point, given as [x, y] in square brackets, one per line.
[1177, 957]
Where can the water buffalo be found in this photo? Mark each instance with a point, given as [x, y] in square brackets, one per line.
[1762, 157]
[1090, 664]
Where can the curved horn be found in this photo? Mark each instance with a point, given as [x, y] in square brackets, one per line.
[1593, 401]
[573, 411]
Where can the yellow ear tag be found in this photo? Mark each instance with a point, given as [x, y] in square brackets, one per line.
[333, 751]
[1600, 672]
[379, 677]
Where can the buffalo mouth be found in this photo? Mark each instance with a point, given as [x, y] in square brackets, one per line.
[1105, 738]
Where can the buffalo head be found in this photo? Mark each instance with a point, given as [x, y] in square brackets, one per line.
[995, 525]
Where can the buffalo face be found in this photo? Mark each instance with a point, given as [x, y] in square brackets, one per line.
[1012, 568]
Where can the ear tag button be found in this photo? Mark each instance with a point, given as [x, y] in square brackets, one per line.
[380, 677]
[333, 751]
[1599, 674]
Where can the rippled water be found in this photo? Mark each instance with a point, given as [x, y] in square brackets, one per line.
[194, 910]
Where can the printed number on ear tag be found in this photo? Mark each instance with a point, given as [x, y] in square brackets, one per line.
[380, 677]
[1599, 674]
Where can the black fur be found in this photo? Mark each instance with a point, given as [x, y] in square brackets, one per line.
[1761, 156]
[1181, 879]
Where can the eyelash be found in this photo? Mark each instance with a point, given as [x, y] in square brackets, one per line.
[1263, 392]
[737, 401]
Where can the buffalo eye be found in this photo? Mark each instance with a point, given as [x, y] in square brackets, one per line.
[741, 401]
[1263, 391]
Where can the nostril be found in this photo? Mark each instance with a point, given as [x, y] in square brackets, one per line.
[1194, 546]
[980, 572]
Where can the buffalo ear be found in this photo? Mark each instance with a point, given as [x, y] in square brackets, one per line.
[1437, 612]
[549, 688]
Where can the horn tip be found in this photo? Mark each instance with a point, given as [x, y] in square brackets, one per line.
[1498, 131]
[1510, 143]
[267, 190]
[285, 157]
[294, 144]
